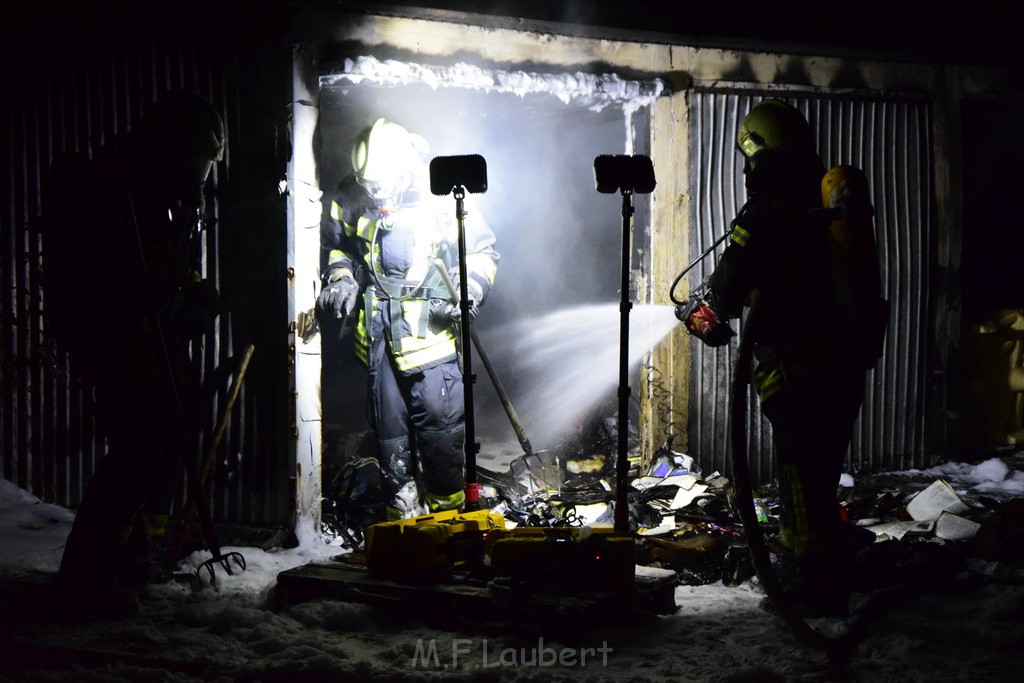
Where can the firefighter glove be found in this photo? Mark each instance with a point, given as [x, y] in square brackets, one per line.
[450, 311]
[444, 313]
[454, 311]
[338, 296]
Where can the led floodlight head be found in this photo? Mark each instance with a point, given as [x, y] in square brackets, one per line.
[615, 172]
[468, 171]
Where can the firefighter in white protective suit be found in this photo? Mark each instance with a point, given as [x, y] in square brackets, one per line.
[381, 235]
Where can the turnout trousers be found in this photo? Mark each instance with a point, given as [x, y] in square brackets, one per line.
[419, 421]
[812, 422]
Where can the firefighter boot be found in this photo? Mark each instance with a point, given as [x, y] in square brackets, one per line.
[398, 482]
[443, 459]
[822, 586]
[147, 559]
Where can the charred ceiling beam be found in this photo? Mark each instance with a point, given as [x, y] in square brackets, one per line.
[967, 35]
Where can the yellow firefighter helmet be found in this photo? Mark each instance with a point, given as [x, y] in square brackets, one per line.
[773, 125]
[385, 159]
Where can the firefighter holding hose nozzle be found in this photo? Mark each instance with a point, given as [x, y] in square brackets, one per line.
[818, 328]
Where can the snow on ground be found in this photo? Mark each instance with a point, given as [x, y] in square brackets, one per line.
[968, 628]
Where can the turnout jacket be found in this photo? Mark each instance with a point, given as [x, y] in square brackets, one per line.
[777, 248]
[391, 256]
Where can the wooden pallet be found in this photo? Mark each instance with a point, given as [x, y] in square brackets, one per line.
[346, 579]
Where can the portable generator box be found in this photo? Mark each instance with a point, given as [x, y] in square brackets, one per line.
[587, 558]
[427, 548]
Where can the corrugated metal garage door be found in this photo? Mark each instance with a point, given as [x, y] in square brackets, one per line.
[890, 139]
[50, 445]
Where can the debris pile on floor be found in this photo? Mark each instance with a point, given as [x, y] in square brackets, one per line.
[686, 521]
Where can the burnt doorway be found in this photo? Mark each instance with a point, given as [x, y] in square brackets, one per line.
[559, 240]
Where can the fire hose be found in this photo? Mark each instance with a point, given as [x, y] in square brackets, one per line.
[693, 264]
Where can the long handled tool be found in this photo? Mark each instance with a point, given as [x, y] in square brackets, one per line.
[225, 560]
[181, 538]
[236, 387]
[191, 471]
[517, 425]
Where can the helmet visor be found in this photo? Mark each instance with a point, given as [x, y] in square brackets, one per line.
[381, 188]
[749, 143]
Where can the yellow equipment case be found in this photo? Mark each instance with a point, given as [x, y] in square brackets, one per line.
[427, 548]
[455, 563]
[588, 558]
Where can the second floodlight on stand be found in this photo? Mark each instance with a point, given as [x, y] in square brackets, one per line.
[459, 175]
[624, 173]
[628, 174]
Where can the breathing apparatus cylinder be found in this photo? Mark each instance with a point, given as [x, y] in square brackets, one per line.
[853, 253]
[852, 247]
